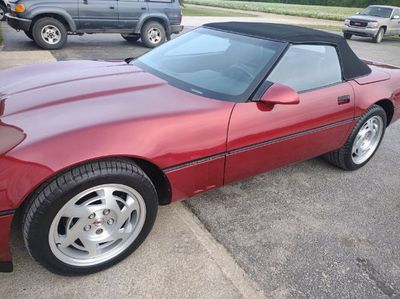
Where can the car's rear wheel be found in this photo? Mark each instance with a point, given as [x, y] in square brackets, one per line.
[49, 34]
[153, 34]
[363, 142]
[91, 217]
[3, 11]
[347, 35]
[131, 37]
[379, 36]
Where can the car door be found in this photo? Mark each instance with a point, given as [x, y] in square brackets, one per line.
[98, 15]
[130, 12]
[261, 137]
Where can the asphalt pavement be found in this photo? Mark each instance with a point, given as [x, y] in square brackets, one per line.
[304, 231]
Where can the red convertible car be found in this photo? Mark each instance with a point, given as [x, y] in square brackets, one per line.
[88, 150]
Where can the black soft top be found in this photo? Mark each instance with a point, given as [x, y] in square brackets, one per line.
[352, 66]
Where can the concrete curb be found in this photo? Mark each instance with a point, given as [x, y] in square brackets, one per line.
[224, 260]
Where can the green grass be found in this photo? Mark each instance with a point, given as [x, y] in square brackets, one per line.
[310, 11]
[209, 12]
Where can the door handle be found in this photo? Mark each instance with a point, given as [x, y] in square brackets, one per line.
[112, 7]
[143, 8]
[343, 99]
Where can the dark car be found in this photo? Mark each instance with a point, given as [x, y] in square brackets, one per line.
[48, 23]
[89, 149]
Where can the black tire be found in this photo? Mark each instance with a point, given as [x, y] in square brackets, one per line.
[29, 34]
[156, 27]
[342, 157]
[51, 197]
[3, 11]
[131, 37]
[379, 36]
[347, 35]
[54, 25]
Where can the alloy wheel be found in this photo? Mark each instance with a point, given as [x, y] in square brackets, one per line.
[51, 34]
[367, 139]
[97, 225]
[154, 35]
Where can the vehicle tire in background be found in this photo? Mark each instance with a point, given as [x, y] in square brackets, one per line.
[49, 33]
[131, 37]
[3, 11]
[379, 36]
[363, 141]
[29, 34]
[153, 34]
[90, 217]
[347, 35]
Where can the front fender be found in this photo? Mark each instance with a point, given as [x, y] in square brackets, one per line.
[37, 12]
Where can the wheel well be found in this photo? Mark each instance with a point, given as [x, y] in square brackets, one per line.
[159, 20]
[156, 175]
[387, 105]
[384, 28]
[54, 16]
[159, 180]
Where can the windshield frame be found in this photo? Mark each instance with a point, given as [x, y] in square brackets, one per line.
[244, 97]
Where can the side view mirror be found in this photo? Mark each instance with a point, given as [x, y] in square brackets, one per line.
[396, 17]
[279, 94]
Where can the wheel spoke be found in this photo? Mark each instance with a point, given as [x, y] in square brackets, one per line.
[90, 246]
[71, 235]
[75, 211]
[126, 212]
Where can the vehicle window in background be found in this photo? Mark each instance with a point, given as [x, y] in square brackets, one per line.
[376, 11]
[318, 66]
[213, 63]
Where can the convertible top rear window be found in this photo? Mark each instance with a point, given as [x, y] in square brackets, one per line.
[213, 63]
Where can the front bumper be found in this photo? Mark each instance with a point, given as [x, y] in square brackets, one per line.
[6, 218]
[18, 23]
[360, 31]
[176, 28]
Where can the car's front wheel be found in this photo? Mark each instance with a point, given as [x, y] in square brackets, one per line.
[379, 36]
[347, 35]
[49, 33]
[90, 217]
[363, 142]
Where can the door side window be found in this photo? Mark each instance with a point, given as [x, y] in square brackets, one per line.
[306, 67]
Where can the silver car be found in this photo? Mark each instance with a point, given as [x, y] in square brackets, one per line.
[375, 21]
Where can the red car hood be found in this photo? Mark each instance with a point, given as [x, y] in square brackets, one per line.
[83, 100]
[38, 86]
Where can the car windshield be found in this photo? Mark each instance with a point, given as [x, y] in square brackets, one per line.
[376, 11]
[213, 63]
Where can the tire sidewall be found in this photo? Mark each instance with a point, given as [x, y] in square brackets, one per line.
[144, 34]
[39, 245]
[36, 33]
[379, 36]
[374, 111]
